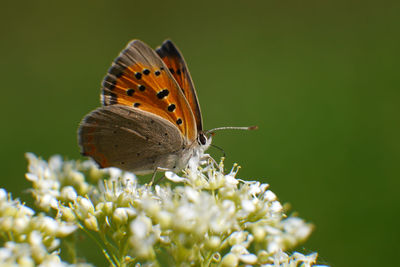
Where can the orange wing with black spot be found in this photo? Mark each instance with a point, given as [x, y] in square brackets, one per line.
[139, 78]
[176, 64]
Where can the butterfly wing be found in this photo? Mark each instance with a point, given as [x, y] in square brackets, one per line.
[176, 64]
[139, 78]
[131, 139]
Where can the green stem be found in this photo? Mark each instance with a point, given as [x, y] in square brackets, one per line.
[110, 259]
[109, 247]
[208, 258]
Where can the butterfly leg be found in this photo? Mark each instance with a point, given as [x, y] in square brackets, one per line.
[158, 169]
[159, 180]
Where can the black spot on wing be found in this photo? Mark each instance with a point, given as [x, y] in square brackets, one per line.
[171, 107]
[138, 75]
[163, 93]
[130, 92]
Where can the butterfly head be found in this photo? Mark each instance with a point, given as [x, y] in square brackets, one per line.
[204, 140]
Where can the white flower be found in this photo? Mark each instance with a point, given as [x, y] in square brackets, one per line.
[201, 215]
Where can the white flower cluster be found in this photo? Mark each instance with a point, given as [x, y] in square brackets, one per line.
[29, 239]
[204, 218]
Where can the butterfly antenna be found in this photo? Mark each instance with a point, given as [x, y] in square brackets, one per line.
[219, 148]
[232, 128]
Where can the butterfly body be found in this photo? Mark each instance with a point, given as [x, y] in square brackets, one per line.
[150, 117]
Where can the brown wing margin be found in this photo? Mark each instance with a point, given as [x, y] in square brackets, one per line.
[176, 64]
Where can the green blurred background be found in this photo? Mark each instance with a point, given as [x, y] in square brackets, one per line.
[320, 79]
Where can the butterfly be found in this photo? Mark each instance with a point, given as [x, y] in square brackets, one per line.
[150, 119]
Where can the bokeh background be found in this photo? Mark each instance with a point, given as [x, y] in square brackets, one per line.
[320, 79]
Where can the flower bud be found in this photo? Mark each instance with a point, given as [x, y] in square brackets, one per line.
[91, 223]
[108, 208]
[35, 238]
[263, 257]
[230, 260]
[25, 261]
[85, 206]
[67, 214]
[20, 224]
[213, 242]
[237, 238]
[141, 226]
[164, 219]
[68, 193]
[3, 195]
[120, 216]
[66, 229]
[151, 207]
[248, 258]
[6, 224]
[258, 233]
[77, 177]
[49, 226]
[276, 206]
[269, 195]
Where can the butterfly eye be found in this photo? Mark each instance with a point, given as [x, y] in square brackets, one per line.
[202, 139]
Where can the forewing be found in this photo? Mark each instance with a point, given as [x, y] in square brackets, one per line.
[130, 139]
[139, 78]
[176, 64]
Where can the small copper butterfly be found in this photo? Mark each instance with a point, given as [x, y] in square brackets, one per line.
[150, 119]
